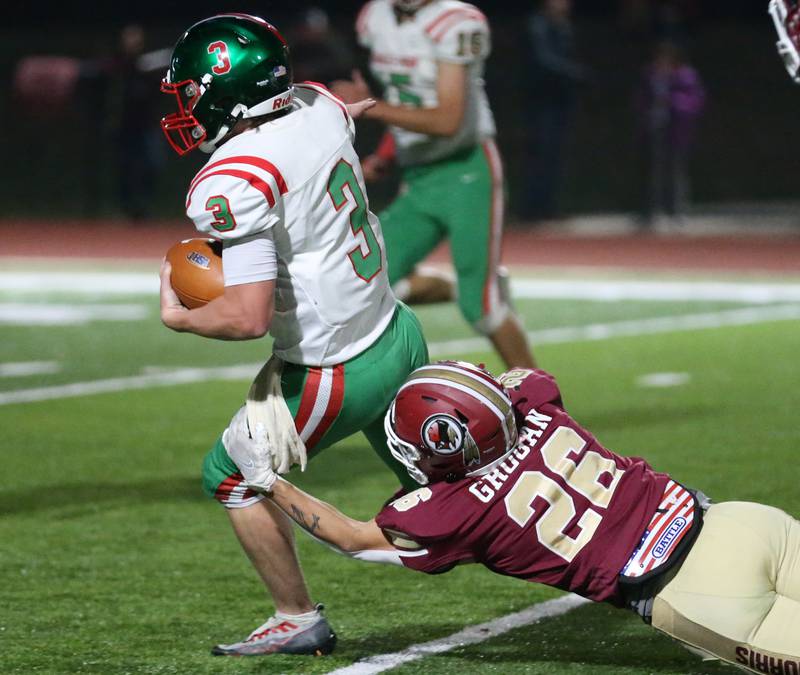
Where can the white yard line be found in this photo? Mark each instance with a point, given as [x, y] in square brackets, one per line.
[27, 368]
[469, 636]
[632, 328]
[167, 379]
[590, 332]
[663, 380]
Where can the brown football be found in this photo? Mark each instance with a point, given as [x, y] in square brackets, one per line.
[196, 271]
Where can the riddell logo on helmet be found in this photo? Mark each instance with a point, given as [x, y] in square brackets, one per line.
[282, 102]
[443, 434]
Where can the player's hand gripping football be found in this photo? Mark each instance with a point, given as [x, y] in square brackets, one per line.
[249, 450]
[170, 304]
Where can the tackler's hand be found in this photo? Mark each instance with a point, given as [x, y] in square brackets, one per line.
[267, 407]
[249, 450]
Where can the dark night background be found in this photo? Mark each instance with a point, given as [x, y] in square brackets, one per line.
[60, 160]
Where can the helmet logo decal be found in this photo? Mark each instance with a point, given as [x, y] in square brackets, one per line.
[199, 259]
[443, 434]
[223, 64]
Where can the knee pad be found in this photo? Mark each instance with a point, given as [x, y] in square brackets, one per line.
[501, 305]
[495, 318]
[402, 289]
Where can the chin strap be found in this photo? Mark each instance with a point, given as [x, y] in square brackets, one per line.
[242, 112]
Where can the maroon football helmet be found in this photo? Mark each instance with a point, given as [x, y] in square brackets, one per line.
[449, 420]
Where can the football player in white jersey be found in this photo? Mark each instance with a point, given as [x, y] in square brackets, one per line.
[430, 55]
[303, 258]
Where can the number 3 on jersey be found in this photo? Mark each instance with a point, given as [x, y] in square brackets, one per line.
[220, 208]
[366, 264]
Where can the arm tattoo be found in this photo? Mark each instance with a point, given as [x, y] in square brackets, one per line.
[300, 519]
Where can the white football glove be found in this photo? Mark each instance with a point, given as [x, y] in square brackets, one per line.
[266, 407]
[249, 451]
[785, 16]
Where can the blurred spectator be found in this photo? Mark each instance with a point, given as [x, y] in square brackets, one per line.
[669, 102]
[117, 92]
[554, 76]
[45, 85]
[135, 101]
[319, 54]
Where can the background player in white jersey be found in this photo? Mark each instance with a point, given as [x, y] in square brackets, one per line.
[303, 257]
[509, 480]
[429, 55]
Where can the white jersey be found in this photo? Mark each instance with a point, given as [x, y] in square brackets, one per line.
[405, 54]
[297, 181]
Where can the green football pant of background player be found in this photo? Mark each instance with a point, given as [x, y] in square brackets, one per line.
[328, 404]
[460, 199]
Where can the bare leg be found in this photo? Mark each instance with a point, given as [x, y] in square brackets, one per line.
[426, 285]
[511, 343]
[267, 536]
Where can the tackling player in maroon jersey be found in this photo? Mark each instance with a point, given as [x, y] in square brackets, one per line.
[509, 480]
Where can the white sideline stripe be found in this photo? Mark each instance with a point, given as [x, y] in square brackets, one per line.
[597, 331]
[609, 290]
[88, 283]
[28, 314]
[25, 368]
[469, 636]
[632, 328]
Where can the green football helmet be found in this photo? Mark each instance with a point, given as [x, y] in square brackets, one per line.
[223, 69]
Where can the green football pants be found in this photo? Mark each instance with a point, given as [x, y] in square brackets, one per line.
[461, 199]
[334, 402]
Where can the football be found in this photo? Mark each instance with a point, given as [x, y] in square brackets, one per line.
[196, 271]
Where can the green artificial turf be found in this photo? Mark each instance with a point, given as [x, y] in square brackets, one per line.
[112, 560]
